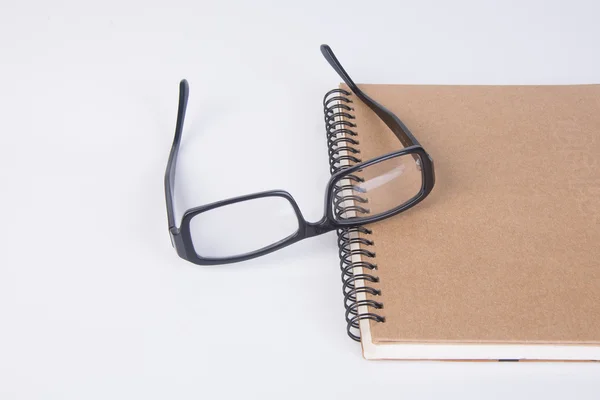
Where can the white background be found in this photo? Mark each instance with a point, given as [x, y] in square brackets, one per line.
[94, 302]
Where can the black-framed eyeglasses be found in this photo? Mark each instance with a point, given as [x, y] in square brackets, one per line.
[224, 232]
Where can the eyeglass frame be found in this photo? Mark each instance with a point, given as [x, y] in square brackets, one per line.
[181, 238]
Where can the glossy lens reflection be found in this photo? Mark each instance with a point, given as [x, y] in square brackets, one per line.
[378, 188]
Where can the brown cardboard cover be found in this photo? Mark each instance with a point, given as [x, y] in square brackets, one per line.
[506, 249]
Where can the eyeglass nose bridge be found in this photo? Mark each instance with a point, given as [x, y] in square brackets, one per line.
[317, 228]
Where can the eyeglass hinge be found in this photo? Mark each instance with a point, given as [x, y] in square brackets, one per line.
[172, 233]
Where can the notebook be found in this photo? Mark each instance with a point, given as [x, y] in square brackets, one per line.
[502, 260]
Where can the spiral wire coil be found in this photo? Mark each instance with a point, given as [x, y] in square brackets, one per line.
[341, 139]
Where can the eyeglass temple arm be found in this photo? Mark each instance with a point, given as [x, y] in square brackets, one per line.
[184, 91]
[391, 120]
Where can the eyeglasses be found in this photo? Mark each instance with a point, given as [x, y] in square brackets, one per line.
[370, 191]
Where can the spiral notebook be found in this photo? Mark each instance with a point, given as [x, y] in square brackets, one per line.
[502, 260]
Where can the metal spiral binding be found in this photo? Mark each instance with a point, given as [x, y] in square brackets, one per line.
[341, 139]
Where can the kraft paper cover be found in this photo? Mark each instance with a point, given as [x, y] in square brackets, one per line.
[507, 246]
